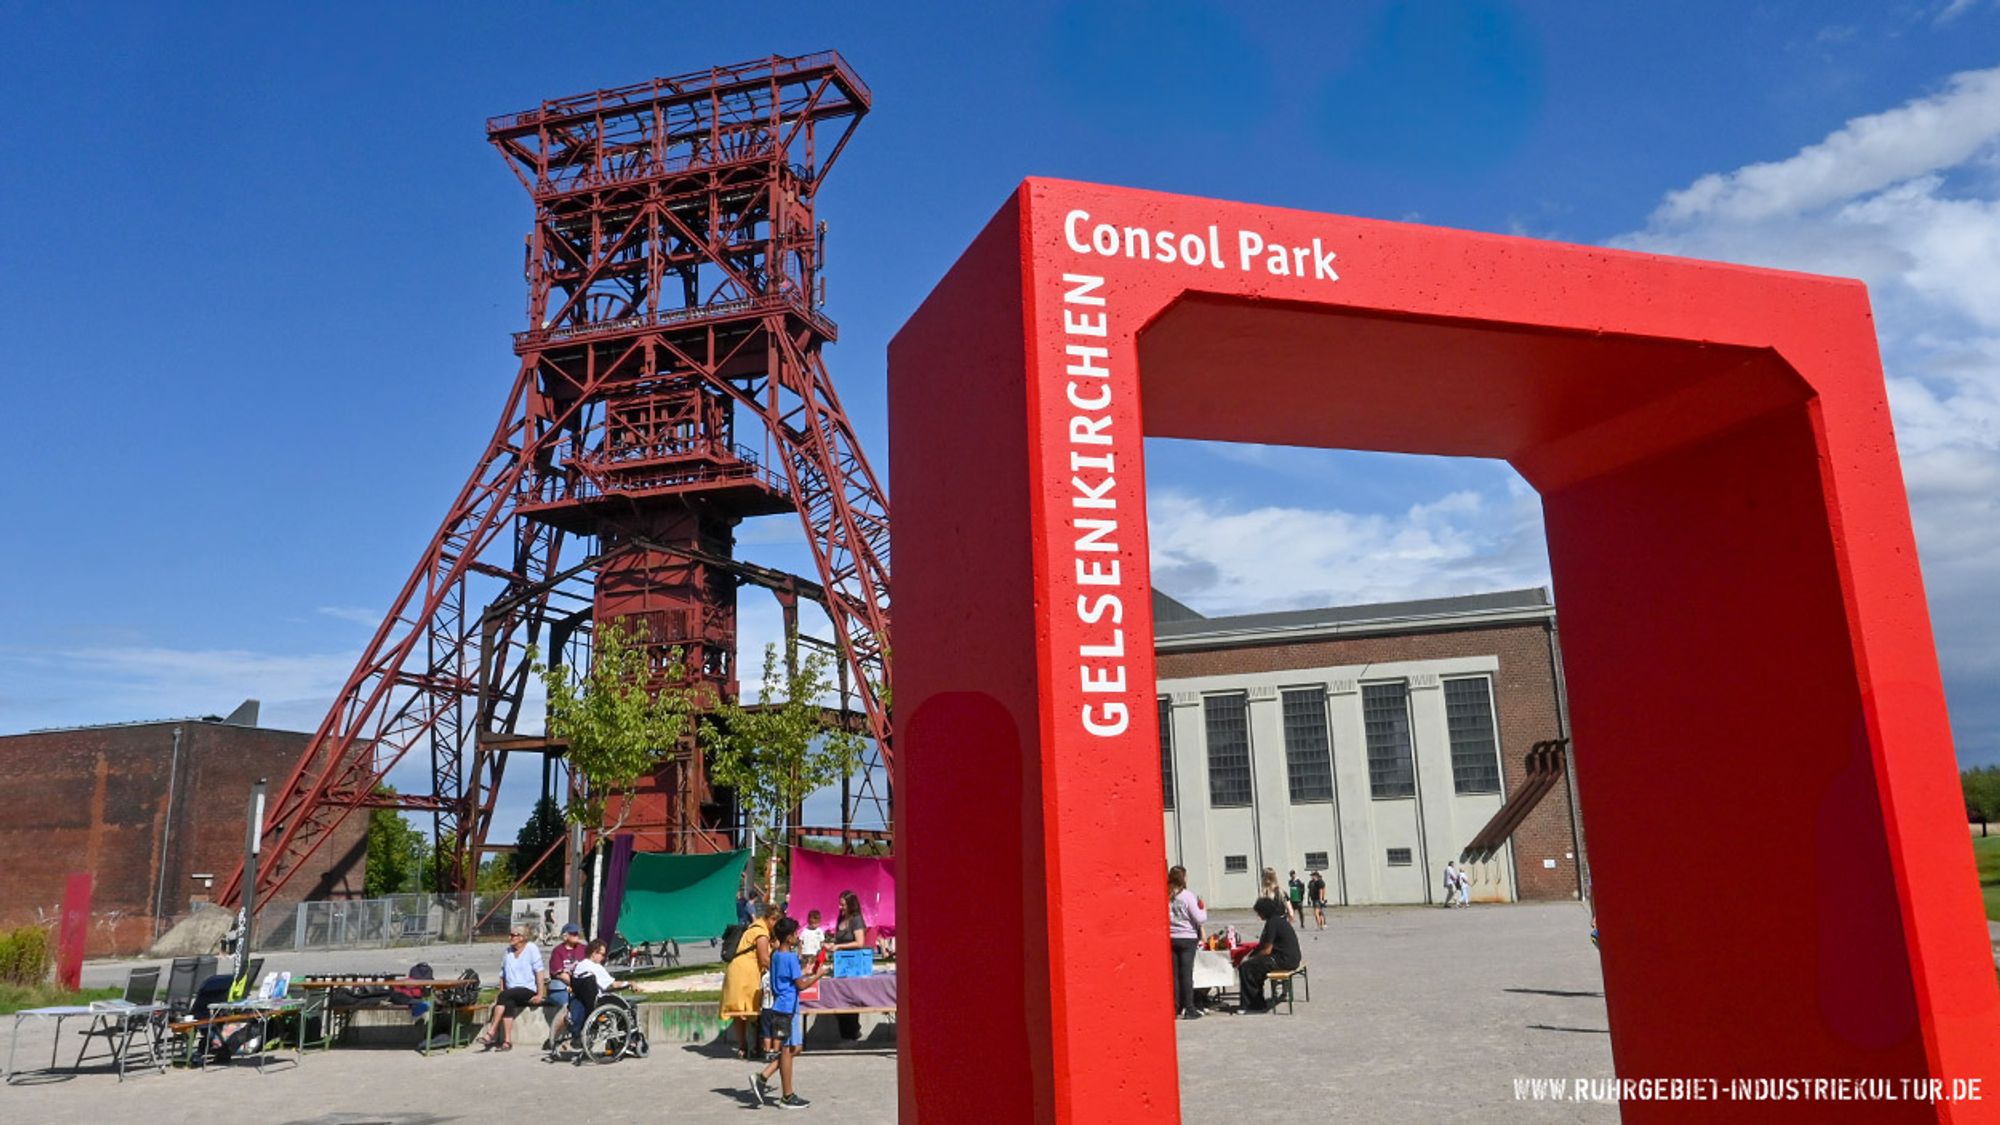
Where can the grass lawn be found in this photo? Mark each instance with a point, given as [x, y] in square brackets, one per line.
[14, 997]
[1987, 852]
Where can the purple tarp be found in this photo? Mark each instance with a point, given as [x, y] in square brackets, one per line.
[878, 991]
[819, 877]
[613, 899]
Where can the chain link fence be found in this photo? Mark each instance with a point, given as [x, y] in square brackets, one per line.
[399, 920]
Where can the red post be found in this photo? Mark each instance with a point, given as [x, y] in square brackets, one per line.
[75, 930]
[1783, 883]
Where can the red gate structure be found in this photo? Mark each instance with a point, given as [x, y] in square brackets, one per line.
[1783, 878]
[670, 386]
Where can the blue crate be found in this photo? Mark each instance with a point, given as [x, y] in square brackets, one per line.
[853, 963]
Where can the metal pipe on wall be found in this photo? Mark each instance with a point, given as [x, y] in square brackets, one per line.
[166, 835]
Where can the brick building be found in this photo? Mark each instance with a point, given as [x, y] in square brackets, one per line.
[1370, 742]
[147, 808]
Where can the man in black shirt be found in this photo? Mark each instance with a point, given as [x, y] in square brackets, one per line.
[1316, 892]
[1277, 949]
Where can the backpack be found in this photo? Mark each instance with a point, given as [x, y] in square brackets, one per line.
[731, 938]
[420, 971]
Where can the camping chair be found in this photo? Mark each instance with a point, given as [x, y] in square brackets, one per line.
[121, 1031]
[183, 977]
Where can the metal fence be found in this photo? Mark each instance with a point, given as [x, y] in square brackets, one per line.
[398, 920]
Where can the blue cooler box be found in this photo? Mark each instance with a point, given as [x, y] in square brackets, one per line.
[853, 962]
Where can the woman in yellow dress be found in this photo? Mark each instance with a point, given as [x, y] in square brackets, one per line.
[743, 979]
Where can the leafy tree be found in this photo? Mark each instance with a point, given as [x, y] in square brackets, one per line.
[784, 750]
[396, 854]
[622, 719]
[545, 827]
[1982, 793]
[438, 877]
[496, 877]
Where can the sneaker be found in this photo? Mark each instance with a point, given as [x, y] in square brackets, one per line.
[760, 1087]
[1190, 1014]
[793, 1101]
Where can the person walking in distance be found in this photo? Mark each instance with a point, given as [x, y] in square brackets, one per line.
[1185, 918]
[1451, 878]
[1295, 894]
[1316, 894]
[1464, 887]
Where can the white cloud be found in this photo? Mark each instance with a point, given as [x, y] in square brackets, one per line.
[1906, 200]
[136, 682]
[1953, 9]
[353, 614]
[1866, 155]
[1281, 557]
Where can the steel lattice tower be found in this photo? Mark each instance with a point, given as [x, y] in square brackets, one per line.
[670, 386]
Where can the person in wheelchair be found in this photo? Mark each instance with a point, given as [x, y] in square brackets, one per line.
[589, 981]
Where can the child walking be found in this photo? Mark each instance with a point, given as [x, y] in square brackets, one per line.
[783, 1030]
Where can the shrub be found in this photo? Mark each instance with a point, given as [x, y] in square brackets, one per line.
[24, 956]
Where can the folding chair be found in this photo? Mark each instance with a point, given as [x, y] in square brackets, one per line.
[183, 977]
[121, 1030]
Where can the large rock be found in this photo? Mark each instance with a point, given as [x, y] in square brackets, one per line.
[194, 935]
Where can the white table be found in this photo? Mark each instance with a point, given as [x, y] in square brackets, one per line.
[264, 1010]
[119, 1026]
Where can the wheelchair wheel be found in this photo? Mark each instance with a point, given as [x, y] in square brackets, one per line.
[607, 1033]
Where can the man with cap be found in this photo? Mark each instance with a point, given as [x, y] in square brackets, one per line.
[566, 954]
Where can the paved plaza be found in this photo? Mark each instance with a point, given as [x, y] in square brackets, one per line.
[1417, 1014]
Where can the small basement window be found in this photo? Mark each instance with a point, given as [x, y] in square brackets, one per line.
[1316, 861]
[1399, 857]
[1235, 864]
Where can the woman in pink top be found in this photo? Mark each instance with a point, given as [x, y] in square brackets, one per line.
[1185, 917]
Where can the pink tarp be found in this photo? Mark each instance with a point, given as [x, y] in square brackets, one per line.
[819, 877]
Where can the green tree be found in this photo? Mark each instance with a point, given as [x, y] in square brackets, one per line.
[545, 827]
[1982, 793]
[438, 876]
[782, 751]
[621, 719]
[496, 877]
[396, 854]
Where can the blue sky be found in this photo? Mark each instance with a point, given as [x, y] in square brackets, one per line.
[260, 271]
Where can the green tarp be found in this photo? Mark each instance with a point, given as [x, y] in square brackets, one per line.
[682, 897]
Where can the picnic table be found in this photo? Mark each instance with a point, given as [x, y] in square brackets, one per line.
[120, 1026]
[421, 985]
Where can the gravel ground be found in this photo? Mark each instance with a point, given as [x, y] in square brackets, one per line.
[1417, 1014]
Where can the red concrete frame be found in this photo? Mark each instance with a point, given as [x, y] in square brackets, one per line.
[1782, 872]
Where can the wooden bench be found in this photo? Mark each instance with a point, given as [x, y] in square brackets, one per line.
[1283, 981]
[197, 1031]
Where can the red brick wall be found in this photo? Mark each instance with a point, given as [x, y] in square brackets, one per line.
[1524, 695]
[95, 799]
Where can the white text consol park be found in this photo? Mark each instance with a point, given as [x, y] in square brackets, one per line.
[1247, 250]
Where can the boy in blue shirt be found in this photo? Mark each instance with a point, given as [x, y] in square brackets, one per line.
[782, 1029]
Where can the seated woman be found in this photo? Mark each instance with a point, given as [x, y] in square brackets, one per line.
[1277, 949]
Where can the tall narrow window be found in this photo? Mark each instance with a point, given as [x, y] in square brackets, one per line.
[1475, 752]
[1308, 752]
[1385, 716]
[1167, 749]
[1227, 718]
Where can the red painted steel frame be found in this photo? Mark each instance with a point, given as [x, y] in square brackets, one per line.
[1783, 878]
